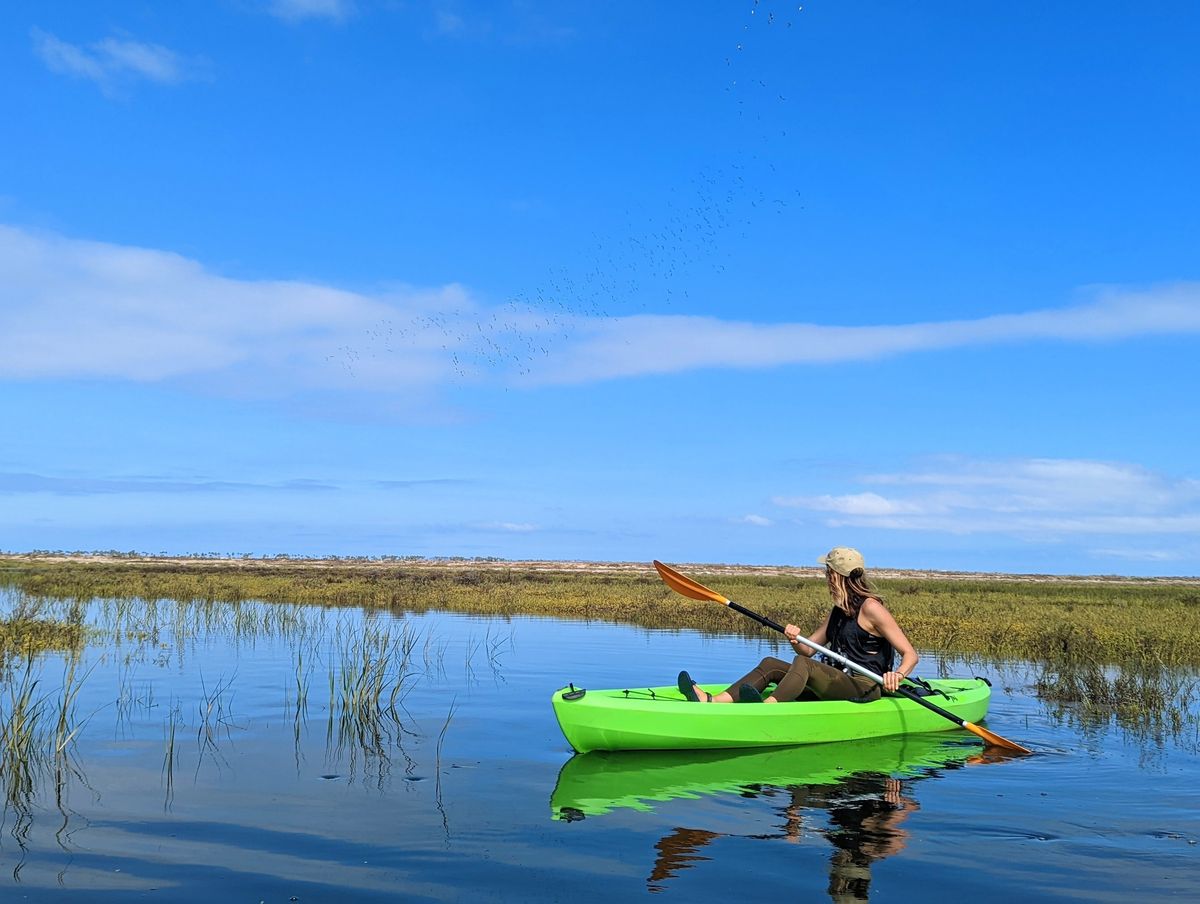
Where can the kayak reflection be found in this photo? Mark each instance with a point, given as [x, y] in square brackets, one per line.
[854, 796]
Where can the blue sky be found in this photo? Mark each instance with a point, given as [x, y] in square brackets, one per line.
[724, 282]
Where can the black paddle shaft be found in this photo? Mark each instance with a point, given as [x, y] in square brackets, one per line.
[762, 620]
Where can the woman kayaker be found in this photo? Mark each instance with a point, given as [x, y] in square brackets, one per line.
[858, 627]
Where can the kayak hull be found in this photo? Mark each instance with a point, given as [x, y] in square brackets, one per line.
[660, 718]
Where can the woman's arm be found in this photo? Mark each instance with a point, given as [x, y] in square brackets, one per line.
[877, 620]
[817, 636]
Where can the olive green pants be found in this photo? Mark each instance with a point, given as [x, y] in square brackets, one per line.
[804, 673]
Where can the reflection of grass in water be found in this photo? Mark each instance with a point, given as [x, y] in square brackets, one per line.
[37, 740]
[372, 668]
[170, 755]
[183, 621]
[370, 673]
[214, 719]
[491, 645]
[23, 745]
[1143, 692]
[1145, 696]
[437, 767]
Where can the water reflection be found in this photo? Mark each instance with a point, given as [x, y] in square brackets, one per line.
[193, 705]
[855, 797]
[864, 815]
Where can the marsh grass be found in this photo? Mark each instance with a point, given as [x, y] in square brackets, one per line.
[30, 627]
[37, 737]
[374, 660]
[215, 720]
[170, 754]
[371, 669]
[437, 767]
[1120, 649]
[1033, 620]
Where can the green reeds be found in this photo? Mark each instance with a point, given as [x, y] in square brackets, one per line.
[37, 736]
[1125, 648]
[371, 669]
[437, 767]
[170, 754]
[30, 626]
[215, 719]
[1010, 618]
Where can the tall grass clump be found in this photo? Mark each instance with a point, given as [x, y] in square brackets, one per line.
[370, 673]
[28, 627]
[37, 735]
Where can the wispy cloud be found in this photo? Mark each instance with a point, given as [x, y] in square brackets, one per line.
[448, 22]
[115, 61]
[1140, 555]
[80, 309]
[17, 482]
[1033, 498]
[655, 344]
[508, 527]
[299, 10]
[756, 520]
[419, 482]
[76, 309]
[511, 23]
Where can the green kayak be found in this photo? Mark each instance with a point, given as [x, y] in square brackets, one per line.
[659, 718]
[594, 783]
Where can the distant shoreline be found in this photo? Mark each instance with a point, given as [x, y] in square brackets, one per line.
[453, 563]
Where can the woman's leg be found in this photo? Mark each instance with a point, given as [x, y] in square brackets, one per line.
[827, 682]
[769, 671]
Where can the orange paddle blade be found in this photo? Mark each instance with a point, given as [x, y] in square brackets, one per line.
[993, 739]
[686, 586]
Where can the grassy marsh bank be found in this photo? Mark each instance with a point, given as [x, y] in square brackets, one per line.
[26, 629]
[1101, 622]
[1103, 650]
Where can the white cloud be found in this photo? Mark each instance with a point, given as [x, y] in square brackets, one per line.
[656, 344]
[869, 504]
[1033, 498]
[297, 10]
[508, 527]
[756, 520]
[77, 309]
[113, 60]
[1140, 555]
[447, 22]
[22, 483]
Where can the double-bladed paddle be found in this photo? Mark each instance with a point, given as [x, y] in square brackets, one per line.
[693, 590]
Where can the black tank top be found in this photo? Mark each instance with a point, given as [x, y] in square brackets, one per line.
[848, 637]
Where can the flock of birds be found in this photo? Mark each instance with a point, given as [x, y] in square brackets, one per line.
[652, 265]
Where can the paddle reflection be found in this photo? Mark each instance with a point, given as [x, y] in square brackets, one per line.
[853, 797]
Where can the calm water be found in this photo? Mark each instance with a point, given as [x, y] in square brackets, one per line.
[199, 771]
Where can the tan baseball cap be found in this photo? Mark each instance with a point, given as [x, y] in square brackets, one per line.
[843, 560]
